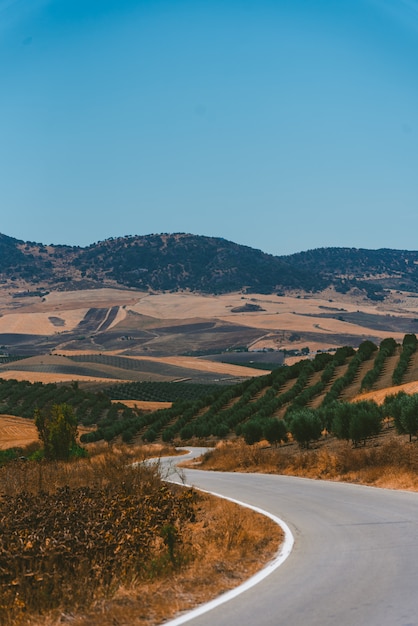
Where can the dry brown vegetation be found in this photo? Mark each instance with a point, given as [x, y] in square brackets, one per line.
[98, 541]
[388, 461]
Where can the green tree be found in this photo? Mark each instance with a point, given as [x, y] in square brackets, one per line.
[366, 421]
[409, 415]
[356, 421]
[392, 407]
[57, 430]
[341, 413]
[252, 431]
[275, 430]
[305, 426]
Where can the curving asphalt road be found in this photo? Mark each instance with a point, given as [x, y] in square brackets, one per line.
[354, 561]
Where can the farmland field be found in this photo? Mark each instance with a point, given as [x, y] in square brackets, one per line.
[136, 323]
[19, 432]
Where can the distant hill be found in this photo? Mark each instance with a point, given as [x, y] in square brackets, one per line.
[370, 270]
[171, 262]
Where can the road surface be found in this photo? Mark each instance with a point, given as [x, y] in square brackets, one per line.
[354, 560]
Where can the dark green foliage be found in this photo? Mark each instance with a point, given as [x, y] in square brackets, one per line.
[409, 346]
[338, 418]
[305, 426]
[360, 263]
[404, 410]
[207, 264]
[183, 261]
[356, 421]
[321, 360]
[366, 421]
[275, 431]
[22, 398]
[252, 431]
[160, 391]
[342, 354]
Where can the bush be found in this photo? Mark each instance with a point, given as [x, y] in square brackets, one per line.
[252, 431]
[305, 426]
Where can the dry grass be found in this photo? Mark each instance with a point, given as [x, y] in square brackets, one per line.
[18, 432]
[144, 405]
[380, 395]
[40, 323]
[219, 544]
[44, 377]
[390, 463]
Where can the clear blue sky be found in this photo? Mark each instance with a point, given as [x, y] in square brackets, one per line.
[284, 125]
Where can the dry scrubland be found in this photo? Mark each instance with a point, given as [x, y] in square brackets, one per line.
[99, 542]
[388, 461]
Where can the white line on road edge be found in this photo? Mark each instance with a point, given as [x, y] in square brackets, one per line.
[281, 556]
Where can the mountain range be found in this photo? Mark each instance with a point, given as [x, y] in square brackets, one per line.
[172, 262]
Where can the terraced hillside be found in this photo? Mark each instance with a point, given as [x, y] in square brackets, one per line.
[314, 385]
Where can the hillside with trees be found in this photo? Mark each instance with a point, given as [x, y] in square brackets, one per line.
[168, 262]
[301, 401]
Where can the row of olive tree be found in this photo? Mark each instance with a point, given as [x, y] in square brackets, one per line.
[355, 422]
[409, 347]
[386, 349]
[404, 410]
[364, 352]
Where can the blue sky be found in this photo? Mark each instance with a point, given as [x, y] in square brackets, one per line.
[284, 125]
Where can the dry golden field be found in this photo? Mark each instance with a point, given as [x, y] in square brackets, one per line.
[18, 432]
[44, 377]
[145, 405]
[31, 315]
[380, 394]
